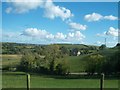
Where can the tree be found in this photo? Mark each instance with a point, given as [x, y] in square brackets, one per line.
[114, 62]
[102, 47]
[95, 63]
[52, 53]
[51, 66]
[27, 62]
[64, 50]
[41, 66]
[39, 50]
[62, 68]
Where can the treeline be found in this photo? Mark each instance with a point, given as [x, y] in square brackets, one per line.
[67, 49]
[15, 48]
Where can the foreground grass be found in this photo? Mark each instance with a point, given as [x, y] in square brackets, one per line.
[18, 80]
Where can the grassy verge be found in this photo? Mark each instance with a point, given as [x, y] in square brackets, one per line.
[18, 80]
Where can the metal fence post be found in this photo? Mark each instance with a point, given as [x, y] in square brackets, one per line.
[28, 81]
[102, 81]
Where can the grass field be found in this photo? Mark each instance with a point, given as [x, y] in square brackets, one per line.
[8, 60]
[18, 80]
[76, 63]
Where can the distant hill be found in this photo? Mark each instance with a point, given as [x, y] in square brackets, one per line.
[14, 48]
[79, 46]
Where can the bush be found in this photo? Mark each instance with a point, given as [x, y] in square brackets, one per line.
[95, 63]
[62, 68]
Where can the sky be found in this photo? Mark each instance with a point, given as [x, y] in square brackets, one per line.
[48, 22]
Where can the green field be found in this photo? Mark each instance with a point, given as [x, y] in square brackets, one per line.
[18, 80]
[76, 63]
[10, 60]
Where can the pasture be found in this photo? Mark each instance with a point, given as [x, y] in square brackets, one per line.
[76, 63]
[18, 80]
[10, 60]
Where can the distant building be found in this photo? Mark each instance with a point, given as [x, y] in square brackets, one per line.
[78, 53]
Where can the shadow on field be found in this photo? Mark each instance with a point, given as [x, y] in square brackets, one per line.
[13, 73]
[70, 76]
[110, 77]
[73, 77]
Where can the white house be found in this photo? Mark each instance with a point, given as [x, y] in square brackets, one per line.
[78, 53]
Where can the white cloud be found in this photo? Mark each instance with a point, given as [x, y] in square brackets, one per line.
[8, 35]
[71, 35]
[101, 34]
[93, 17]
[52, 11]
[110, 17]
[8, 10]
[50, 36]
[34, 35]
[109, 43]
[99, 42]
[112, 32]
[79, 35]
[77, 26]
[34, 32]
[23, 6]
[58, 37]
[97, 17]
[75, 36]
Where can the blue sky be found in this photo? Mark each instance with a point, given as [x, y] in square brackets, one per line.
[60, 22]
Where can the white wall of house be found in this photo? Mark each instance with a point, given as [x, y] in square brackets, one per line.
[78, 53]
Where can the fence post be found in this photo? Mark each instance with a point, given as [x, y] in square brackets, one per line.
[28, 81]
[102, 81]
